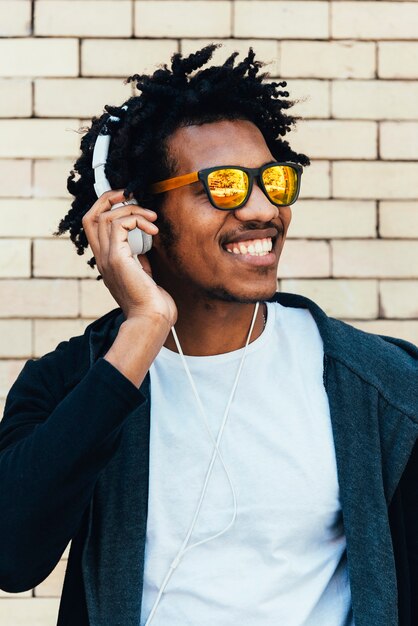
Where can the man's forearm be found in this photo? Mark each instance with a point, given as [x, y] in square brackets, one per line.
[137, 344]
[51, 455]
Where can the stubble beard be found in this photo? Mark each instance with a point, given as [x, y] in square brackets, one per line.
[169, 238]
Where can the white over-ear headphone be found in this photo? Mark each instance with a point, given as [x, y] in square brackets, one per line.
[139, 241]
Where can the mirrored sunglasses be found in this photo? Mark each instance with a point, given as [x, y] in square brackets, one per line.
[229, 186]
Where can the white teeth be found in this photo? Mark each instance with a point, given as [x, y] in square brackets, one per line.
[267, 245]
[258, 247]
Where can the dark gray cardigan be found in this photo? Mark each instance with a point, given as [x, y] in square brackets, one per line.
[74, 445]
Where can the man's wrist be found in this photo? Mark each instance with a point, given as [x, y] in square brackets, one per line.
[137, 343]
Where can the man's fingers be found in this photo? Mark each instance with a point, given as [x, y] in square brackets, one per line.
[103, 233]
[104, 203]
[97, 221]
[113, 236]
[91, 218]
[123, 224]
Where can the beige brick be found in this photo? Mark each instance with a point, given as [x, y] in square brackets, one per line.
[50, 179]
[330, 59]
[52, 586]
[315, 180]
[15, 18]
[374, 20]
[283, 20]
[33, 611]
[56, 257]
[39, 138]
[398, 219]
[14, 258]
[15, 178]
[379, 180]
[399, 298]
[31, 218]
[182, 18]
[266, 50]
[84, 18]
[319, 219]
[376, 100]
[303, 259]
[332, 139]
[398, 59]
[407, 330]
[38, 298]
[77, 97]
[9, 371]
[339, 297]
[313, 97]
[48, 333]
[378, 258]
[66, 552]
[15, 97]
[38, 57]
[15, 338]
[95, 298]
[399, 140]
[124, 57]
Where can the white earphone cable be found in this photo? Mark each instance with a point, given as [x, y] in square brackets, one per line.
[216, 450]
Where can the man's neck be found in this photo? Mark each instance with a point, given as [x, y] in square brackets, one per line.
[208, 329]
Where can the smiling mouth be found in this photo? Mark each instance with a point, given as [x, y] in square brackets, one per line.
[251, 247]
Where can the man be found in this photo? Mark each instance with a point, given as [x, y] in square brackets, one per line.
[218, 452]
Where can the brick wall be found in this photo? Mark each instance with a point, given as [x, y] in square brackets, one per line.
[353, 241]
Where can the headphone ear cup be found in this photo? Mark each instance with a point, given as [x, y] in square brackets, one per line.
[147, 242]
[139, 242]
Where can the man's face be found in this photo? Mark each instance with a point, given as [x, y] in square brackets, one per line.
[189, 253]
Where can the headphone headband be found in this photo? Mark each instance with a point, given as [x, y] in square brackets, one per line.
[100, 152]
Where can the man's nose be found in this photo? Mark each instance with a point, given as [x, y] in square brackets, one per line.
[258, 207]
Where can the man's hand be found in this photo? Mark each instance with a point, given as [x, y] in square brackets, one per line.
[129, 282]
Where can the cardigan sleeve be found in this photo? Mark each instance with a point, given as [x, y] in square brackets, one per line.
[54, 442]
[410, 501]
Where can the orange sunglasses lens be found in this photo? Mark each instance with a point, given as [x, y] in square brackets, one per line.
[228, 187]
[281, 183]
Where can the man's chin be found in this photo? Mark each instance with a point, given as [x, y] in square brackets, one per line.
[247, 296]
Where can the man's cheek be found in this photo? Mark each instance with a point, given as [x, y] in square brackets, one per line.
[286, 218]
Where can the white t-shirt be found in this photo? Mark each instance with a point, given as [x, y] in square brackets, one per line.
[283, 561]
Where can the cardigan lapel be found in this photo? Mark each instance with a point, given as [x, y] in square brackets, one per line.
[374, 433]
[371, 566]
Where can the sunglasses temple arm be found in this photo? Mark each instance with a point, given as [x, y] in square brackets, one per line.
[174, 183]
